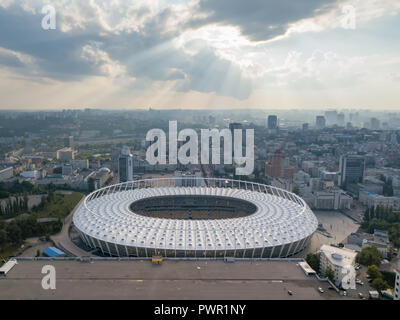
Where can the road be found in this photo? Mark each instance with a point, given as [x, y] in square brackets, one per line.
[63, 241]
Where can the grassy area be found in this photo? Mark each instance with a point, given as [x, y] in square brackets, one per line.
[54, 206]
[7, 252]
[60, 206]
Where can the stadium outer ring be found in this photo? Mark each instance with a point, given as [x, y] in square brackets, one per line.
[281, 226]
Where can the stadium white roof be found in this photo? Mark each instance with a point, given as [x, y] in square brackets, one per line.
[276, 221]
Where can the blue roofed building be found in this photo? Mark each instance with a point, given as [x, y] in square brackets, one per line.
[53, 252]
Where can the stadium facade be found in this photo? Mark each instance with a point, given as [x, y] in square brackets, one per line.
[195, 218]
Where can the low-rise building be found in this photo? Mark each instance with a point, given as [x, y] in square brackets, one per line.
[101, 177]
[66, 154]
[329, 200]
[67, 169]
[80, 164]
[380, 240]
[341, 261]
[7, 173]
[35, 174]
[371, 199]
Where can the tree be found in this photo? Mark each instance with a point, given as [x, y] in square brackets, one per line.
[371, 213]
[314, 261]
[394, 234]
[366, 215]
[329, 274]
[3, 238]
[26, 201]
[14, 233]
[373, 272]
[380, 284]
[369, 256]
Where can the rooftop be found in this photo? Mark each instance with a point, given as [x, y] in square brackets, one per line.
[339, 256]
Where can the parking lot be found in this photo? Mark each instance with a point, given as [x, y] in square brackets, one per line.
[173, 280]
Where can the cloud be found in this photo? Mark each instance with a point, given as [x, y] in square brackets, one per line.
[260, 20]
[219, 47]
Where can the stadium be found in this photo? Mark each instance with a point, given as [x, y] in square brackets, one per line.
[194, 218]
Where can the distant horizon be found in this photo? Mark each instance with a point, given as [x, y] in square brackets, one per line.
[197, 109]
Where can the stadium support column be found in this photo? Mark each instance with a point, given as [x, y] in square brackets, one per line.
[290, 247]
[262, 252]
[283, 247]
[272, 252]
[101, 248]
[108, 247]
[295, 249]
[116, 248]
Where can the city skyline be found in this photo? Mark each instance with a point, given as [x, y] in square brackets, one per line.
[200, 55]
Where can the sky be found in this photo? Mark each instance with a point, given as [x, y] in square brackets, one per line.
[267, 54]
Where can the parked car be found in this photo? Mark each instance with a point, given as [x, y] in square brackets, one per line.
[321, 290]
[361, 295]
[290, 293]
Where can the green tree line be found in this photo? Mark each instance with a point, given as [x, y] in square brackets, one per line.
[383, 218]
[14, 206]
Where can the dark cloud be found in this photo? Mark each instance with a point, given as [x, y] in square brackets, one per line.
[260, 19]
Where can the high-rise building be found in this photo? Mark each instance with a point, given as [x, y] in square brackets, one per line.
[331, 117]
[305, 126]
[115, 153]
[375, 124]
[125, 165]
[69, 142]
[235, 126]
[351, 168]
[320, 122]
[341, 119]
[272, 122]
[275, 168]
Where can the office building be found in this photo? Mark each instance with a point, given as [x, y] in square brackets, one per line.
[375, 124]
[125, 165]
[67, 169]
[331, 117]
[274, 168]
[235, 126]
[351, 169]
[320, 122]
[80, 164]
[272, 122]
[66, 155]
[69, 142]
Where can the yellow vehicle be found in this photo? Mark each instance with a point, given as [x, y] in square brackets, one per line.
[157, 259]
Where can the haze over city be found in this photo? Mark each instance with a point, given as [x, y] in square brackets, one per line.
[200, 54]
